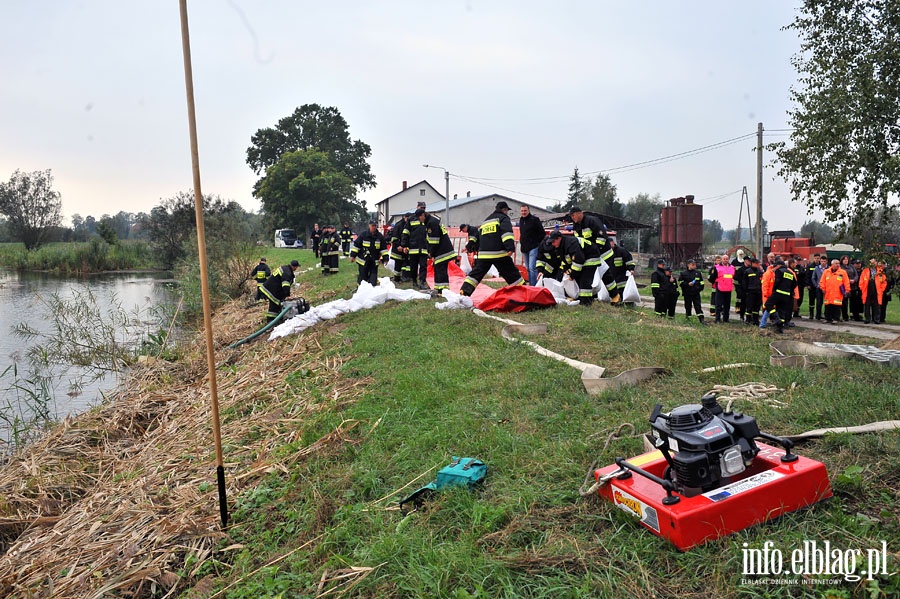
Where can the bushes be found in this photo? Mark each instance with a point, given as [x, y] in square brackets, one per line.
[74, 258]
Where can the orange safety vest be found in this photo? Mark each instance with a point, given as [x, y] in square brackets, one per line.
[768, 282]
[880, 284]
[831, 282]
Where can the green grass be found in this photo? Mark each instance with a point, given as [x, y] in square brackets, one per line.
[432, 384]
[77, 257]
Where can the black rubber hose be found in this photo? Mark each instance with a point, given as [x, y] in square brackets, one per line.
[268, 326]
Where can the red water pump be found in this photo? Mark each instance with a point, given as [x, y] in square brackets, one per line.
[709, 476]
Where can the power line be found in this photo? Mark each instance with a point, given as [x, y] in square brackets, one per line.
[627, 167]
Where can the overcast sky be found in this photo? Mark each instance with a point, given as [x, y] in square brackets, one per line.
[508, 95]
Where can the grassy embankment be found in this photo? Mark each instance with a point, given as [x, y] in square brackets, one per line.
[442, 384]
[77, 257]
[380, 399]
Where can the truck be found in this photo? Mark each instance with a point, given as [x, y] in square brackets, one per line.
[287, 238]
[787, 245]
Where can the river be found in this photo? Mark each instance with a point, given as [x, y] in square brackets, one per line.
[67, 391]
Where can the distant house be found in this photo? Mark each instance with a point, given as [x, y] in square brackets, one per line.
[393, 207]
[469, 209]
[474, 209]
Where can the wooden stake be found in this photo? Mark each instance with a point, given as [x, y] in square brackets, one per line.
[204, 276]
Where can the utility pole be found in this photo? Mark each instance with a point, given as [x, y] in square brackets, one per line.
[447, 195]
[759, 191]
[446, 191]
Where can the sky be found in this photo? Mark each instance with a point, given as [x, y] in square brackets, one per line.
[509, 96]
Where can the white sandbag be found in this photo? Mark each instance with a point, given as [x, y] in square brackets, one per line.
[366, 296]
[454, 301]
[492, 273]
[631, 294]
[391, 265]
[603, 294]
[555, 287]
[464, 264]
[598, 277]
[571, 287]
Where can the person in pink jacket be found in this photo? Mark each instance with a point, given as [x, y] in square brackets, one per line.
[724, 286]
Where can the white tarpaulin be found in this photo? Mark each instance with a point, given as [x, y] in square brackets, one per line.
[366, 296]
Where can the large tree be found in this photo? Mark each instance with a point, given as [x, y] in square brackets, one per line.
[844, 154]
[33, 210]
[821, 232]
[304, 187]
[172, 224]
[577, 190]
[644, 208]
[603, 197]
[312, 127]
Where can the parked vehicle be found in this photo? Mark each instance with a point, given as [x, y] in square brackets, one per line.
[287, 238]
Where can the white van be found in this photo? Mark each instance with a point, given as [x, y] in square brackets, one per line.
[287, 238]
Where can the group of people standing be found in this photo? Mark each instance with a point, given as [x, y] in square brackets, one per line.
[327, 246]
[772, 293]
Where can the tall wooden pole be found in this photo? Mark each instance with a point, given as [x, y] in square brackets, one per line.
[759, 193]
[204, 274]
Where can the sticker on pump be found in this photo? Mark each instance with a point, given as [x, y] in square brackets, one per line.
[637, 508]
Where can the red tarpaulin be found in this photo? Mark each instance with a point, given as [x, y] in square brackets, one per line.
[517, 298]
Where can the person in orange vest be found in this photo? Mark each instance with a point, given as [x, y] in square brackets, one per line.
[835, 286]
[872, 284]
[767, 283]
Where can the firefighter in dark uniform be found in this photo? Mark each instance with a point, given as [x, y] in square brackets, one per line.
[259, 274]
[330, 249]
[415, 246]
[752, 286]
[277, 288]
[368, 248]
[622, 263]
[401, 266]
[496, 246]
[691, 283]
[596, 249]
[739, 292]
[346, 238]
[782, 299]
[440, 248]
[560, 254]
[665, 293]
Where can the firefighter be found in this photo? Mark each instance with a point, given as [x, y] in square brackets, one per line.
[691, 282]
[665, 293]
[752, 286]
[440, 248]
[330, 249]
[739, 291]
[781, 302]
[596, 249]
[259, 274]
[368, 248]
[560, 254]
[496, 246]
[277, 288]
[415, 246]
[401, 266]
[622, 263]
[346, 238]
